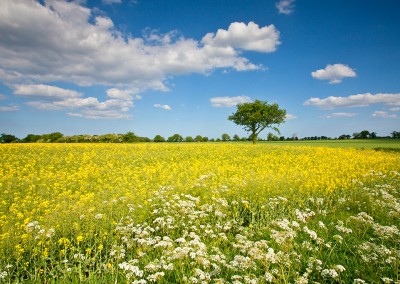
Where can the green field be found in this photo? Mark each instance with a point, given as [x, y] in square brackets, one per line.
[351, 143]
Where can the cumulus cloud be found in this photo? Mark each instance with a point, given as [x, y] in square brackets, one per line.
[384, 114]
[334, 73]
[285, 6]
[46, 97]
[228, 101]
[165, 107]
[71, 43]
[359, 100]
[78, 45]
[246, 37]
[340, 114]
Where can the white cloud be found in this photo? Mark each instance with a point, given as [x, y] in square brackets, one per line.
[359, 100]
[165, 107]
[9, 108]
[228, 101]
[394, 109]
[71, 43]
[290, 116]
[75, 44]
[100, 114]
[45, 97]
[340, 114]
[246, 37]
[2, 97]
[285, 6]
[384, 114]
[44, 91]
[127, 94]
[334, 73]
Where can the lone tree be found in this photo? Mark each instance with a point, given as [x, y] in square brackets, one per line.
[258, 115]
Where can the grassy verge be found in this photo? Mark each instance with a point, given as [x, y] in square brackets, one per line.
[351, 143]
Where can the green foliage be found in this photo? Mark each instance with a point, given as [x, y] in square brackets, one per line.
[8, 138]
[129, 137]
[395, 134]
[31, 138]
[225, 137]
[272, 137]
[361, 135]
[189, 139]
[255, 116]
[159, 138]
[175, 138]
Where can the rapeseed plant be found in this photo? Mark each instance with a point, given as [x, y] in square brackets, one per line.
[210, 213]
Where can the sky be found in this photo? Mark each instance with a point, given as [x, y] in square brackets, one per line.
[160, 67]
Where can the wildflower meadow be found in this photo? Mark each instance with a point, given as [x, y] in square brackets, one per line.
[198, 213]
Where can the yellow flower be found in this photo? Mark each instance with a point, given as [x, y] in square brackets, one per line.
[79, 238]
[88, 251]
[64, 241]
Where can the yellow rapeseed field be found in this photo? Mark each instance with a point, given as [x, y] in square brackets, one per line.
[79, 192]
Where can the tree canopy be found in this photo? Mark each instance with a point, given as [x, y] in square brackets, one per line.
[258, 115]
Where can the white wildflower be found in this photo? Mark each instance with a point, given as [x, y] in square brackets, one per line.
[268, 277]
[313, 235]
[129, 267]
[301, 280]
[339, 268]
[3, 274]
[322, 225]
[329, 273]
[155, 277]
[50, 233]
[304, 216]
[363, 217]
[341, 228]
[32, 226]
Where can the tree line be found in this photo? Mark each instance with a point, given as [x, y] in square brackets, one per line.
[254, 117]
[130, 137]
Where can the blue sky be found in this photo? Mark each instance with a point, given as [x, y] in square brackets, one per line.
[165, 67]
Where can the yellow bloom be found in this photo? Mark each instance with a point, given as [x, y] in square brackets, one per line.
[88, 251]
[79, 238]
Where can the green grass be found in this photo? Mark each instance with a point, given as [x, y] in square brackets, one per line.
[351, 143]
